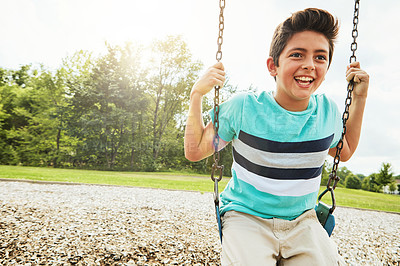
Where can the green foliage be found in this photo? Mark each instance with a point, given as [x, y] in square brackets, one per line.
[326, 170]
[169, 86]
[107, 99]
[118, 110]
[376, 181]
[26, 117]
[385, 175]
[392, 187]
[353, 182]
[370, 183]
[360, 176]
[342, 173]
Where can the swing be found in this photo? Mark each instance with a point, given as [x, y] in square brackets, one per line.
[324, 211]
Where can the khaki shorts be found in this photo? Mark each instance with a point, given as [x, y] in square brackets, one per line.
[251, 240]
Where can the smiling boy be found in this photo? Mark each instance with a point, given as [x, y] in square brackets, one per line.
[280, 141]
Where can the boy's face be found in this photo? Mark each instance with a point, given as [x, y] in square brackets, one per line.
[303, 64]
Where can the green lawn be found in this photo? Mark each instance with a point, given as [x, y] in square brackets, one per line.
[364, 199]
[166, 180]
[183, 181]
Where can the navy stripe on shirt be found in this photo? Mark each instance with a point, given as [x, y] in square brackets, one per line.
[277, 173]
[286, 147]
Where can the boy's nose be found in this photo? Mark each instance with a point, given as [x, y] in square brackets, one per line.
[309, 64]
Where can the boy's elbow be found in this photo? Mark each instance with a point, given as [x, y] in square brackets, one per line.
[197, 152]
[345, 157]
[191, 155]
[346, 152]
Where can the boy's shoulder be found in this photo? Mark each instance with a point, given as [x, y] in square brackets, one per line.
[323, 100]
[242, 97]
[239, 97]
[250, 103]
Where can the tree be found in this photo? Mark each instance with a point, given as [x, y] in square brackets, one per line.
[385, 175]
[174, 73]
[353, 182]
[343, 172]
[369, 183]
[17, 100]
[392, 187]
[31, 99]
[360, 176]
[3, 116]
[109, 103]
[108, 112]
[51, 108]
[76, 71]
[118, 99]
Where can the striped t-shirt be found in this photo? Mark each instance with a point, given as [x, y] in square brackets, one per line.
[278, 155]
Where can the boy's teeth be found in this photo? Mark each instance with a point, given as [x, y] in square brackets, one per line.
[304, 79]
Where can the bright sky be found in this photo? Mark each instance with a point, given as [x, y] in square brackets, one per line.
[45, 31]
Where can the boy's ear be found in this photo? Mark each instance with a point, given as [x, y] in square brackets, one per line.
[271, 66]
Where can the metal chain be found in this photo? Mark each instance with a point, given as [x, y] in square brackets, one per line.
[216, 167]
[221, 29]
[355, 31]
[216, 156]
[333, 178]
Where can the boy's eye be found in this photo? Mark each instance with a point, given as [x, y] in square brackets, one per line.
[321, 57]
[295, 55]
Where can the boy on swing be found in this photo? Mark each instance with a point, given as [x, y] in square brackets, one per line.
[280, 141]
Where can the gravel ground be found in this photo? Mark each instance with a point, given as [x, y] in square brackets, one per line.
[58, 224]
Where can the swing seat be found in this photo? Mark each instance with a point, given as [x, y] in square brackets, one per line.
[325, 217]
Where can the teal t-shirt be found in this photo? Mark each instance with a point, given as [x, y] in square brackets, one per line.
[278, 155]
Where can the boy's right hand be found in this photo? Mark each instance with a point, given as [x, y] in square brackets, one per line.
[214, 76]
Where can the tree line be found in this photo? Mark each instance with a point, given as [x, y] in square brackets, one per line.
[122, 110]
[384, 180]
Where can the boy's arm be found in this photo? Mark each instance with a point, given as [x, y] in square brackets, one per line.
[356, 112]
[198, 137]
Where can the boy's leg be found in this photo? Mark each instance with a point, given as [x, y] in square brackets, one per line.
[307, 243]
[248, 240]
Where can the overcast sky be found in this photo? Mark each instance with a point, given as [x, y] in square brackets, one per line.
[45, 31]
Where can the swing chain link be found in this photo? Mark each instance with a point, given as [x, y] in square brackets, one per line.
[354, 33]
[221, 27]
[216, 157]
[333, 178]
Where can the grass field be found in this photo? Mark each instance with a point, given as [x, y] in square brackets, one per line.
[182, 181]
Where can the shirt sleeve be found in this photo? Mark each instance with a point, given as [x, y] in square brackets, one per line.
[230, 117]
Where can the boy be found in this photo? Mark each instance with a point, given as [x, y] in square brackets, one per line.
[280, 141]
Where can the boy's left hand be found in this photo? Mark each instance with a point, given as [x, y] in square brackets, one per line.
[360, 78]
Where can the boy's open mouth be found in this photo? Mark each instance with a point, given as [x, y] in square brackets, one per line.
[304, 80]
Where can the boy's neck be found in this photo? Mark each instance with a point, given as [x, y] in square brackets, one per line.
[290, 104]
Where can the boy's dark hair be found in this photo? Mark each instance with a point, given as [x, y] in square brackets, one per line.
[310, 19]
